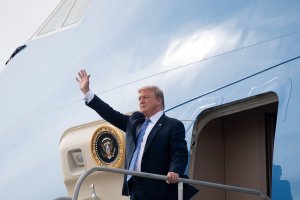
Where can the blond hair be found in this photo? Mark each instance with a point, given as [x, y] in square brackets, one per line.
[158, 93]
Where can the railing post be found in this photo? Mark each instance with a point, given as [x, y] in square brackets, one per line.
[180, 190]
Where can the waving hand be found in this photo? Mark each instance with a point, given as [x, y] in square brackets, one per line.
[84, 81]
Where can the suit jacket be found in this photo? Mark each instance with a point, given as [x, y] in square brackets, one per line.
[165, 149]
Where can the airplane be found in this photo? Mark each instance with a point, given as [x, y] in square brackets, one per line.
[229, 71]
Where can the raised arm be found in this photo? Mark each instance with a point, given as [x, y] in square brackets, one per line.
[103, 109]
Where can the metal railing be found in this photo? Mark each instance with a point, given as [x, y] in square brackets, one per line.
[162, 177]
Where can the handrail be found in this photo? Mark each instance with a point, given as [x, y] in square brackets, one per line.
[163, 177]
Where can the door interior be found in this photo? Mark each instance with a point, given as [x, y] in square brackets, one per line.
[233, 145]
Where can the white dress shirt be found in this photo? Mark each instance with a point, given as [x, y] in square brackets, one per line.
[153, 119]
[89, 96]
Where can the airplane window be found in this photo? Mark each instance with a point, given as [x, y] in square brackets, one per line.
[77, 12]
[67, 13]
[57, 18]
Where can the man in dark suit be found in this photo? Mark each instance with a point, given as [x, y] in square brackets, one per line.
[155, 143]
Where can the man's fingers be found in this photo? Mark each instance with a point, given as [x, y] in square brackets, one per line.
[88, 77]
[168, 180]
[80, 74]
[172, 177]
[84, 72]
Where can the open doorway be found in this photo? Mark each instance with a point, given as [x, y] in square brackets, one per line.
[233, 144]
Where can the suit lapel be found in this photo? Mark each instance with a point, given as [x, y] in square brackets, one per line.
[154, 131]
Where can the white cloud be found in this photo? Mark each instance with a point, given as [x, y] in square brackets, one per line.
[202, 44]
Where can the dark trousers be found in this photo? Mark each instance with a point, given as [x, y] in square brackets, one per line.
[135, 189]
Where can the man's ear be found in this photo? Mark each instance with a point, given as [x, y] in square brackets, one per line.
[159, 102]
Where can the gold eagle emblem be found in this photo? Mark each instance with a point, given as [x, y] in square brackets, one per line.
[108, 146]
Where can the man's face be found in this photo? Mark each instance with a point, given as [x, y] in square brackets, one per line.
[149, 105]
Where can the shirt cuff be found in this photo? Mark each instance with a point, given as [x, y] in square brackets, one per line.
[89, 96]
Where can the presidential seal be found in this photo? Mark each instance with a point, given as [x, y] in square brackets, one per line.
[108, 146]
